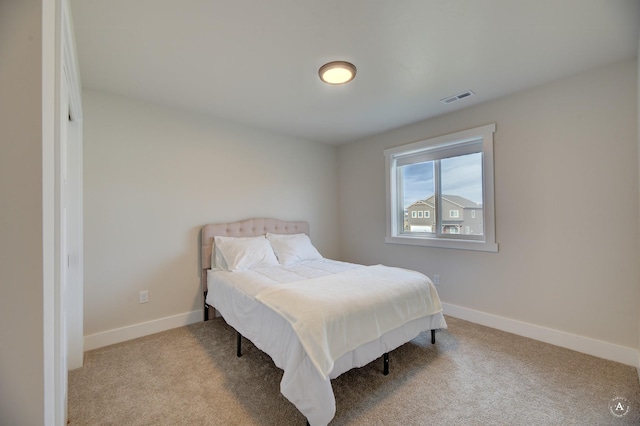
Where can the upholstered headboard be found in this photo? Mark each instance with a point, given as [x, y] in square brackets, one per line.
[246, 228]
[243, 228]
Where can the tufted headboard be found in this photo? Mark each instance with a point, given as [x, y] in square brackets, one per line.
[243, 228]
[246, 228]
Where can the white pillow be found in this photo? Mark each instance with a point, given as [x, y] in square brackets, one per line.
[240, 253]
[217, 259]
[293, 248]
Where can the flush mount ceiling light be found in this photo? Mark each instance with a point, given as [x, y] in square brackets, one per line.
[337, 72]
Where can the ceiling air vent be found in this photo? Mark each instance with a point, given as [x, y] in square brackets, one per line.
[457, 97]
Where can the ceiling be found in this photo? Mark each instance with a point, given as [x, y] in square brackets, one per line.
[255, 62]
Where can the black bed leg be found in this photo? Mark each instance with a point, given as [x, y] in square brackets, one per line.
[239, 344]
[433, 337]
[206, 307]
[385, 370]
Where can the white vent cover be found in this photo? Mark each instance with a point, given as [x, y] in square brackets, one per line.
[457, 97]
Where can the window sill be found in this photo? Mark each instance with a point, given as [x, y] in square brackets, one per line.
[444, 243]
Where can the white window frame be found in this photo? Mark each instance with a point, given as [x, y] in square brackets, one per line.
[444, 146]
[454, 214]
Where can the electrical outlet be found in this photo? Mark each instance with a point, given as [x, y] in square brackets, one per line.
[144, 296]
[436, 279]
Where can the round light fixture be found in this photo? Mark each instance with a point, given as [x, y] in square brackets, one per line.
[337, 72]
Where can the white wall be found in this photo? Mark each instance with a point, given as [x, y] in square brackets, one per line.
[153, 176]
[22, 376]
[566, 190]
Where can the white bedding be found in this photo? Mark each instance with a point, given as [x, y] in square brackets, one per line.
[307, 372]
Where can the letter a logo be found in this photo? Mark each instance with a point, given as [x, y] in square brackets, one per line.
[619, 406]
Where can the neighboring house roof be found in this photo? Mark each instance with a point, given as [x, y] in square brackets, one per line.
[455, 199]
[428, 202]
[461, 201]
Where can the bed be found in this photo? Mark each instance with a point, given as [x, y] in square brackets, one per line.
[313, 316]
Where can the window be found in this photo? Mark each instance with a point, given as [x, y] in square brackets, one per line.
[420, 214]
[414, 214]
[452, 175]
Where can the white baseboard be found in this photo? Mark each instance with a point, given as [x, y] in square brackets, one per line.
[117, 335]
[606, 350]
[598, 348]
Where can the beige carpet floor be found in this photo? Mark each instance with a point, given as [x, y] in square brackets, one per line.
[473, 375]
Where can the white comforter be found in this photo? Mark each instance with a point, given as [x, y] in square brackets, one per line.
[257, 304]
[335, 314]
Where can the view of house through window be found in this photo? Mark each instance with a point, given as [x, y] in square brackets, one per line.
[440, 191]
[460, 197]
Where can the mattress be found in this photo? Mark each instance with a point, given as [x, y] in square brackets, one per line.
[233, 294]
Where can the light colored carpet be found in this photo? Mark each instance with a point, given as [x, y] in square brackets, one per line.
[473, 375]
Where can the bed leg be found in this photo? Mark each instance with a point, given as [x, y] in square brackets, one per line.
[238, 344]
[385, 370]
[206, 307]
[433, 337]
